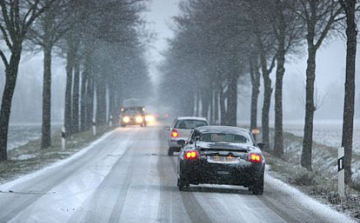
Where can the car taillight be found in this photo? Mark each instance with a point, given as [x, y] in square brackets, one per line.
[256, 158]
[191, 155]
[174, 134]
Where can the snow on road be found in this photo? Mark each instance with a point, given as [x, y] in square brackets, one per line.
[126, 176]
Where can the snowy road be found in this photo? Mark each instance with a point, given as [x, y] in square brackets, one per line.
[126, 176]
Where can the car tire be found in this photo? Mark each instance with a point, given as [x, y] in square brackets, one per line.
[181, 183]
[123, 125]
[170, 151]
[258, 186]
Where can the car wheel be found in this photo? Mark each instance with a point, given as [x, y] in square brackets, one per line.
[181, 183]
[170, 152]
[123, 125]
[258, 186]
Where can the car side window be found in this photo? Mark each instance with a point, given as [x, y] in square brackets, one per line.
[192, 136]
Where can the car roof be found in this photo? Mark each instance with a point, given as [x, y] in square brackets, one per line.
[191, 118]
[222, 129]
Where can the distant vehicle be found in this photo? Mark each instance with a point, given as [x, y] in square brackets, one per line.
[133, 116]
[180, 129]
[133, 113]
[221, 155]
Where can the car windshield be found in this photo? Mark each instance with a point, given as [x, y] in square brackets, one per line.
[132, 112]
[189, 124]
[223, 137]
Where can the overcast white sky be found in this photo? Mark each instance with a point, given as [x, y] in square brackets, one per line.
[159, 20]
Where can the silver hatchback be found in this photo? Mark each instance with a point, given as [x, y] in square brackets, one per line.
[181, 129]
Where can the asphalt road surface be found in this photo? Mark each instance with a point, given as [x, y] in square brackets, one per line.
[126, 176]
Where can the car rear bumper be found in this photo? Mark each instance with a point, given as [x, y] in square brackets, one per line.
[173, 143]
[201, 172]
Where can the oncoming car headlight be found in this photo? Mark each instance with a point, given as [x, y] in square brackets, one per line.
[139, 119]
[149, 118]
[126, 119]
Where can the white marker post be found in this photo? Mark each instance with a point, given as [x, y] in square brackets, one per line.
[94, 127]
[341, 174]
[63, 138]
[111, 121]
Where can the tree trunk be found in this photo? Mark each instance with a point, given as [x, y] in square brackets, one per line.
[198, 113]
[46, 107]
[101, 101]
[10, 83]
[76, 96]
[278, 139]
[255, 82]
[349, 102]
[306, 155]
[205, 102]
[232, 95]
[83, 100]
[90, 102]
[266, 110]
[212, 104]
[69, 76]
[216, 120]
[222, 108]
[280, 71]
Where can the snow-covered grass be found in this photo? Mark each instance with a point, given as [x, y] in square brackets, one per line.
[326, 132]
[322, 181]
[22, 133]
[29, 157]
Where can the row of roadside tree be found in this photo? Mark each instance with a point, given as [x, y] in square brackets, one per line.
[102, 43]
[220, 45]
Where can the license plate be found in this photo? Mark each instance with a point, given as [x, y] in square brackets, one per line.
[222, 159]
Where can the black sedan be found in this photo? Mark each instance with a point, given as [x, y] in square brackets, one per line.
[221, 155]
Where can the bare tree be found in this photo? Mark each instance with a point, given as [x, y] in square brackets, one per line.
[255, 83]
[320, 18]
[288, 32]
[46, 32]
[349, 7]
[16, 18]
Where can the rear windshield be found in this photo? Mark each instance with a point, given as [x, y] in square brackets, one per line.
[222, 137]
[189, 124]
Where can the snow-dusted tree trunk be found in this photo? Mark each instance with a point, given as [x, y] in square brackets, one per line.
[349, 102]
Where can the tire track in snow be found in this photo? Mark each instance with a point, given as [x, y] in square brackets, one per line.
[46, 179]
[190, 205]
[171, 208]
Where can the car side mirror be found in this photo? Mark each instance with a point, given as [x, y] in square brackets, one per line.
[261, 145]
[181, 142]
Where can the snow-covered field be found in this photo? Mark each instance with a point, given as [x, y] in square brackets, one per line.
[20, 134]
[326, 132]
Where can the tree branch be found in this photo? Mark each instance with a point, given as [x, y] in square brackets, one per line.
[4, 59]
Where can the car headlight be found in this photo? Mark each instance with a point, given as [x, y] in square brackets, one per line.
[149, 118]
[126, 119]
[139, 119]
